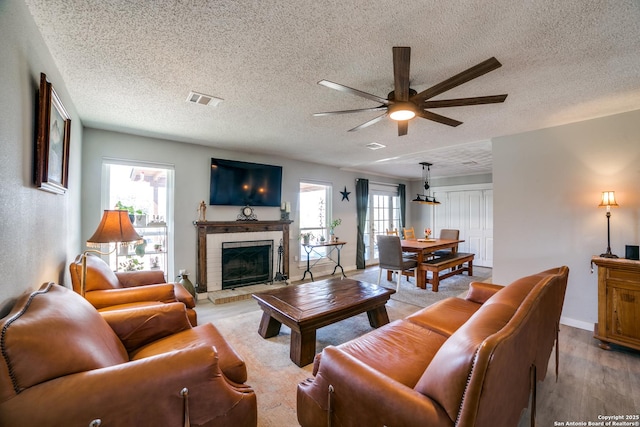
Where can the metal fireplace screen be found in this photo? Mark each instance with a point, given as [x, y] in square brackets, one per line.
[247, 263]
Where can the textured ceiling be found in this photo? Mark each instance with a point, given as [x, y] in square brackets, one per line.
[129, 66]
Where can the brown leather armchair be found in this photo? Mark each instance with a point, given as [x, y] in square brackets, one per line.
[107, 290]
[62, 363]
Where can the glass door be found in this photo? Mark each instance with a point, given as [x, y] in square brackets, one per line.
[383, 214]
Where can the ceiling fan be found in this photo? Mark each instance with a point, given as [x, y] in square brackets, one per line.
[404, 103]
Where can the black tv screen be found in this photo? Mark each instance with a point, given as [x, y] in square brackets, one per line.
[235, 183]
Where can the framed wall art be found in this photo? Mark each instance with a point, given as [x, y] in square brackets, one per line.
[52, 144]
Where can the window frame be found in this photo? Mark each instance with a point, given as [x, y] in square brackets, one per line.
[323, 227]
[107, 162]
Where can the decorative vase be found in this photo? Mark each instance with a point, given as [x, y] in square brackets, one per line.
[305, 240]
[141, 220]
[186, 283]
[141, 249]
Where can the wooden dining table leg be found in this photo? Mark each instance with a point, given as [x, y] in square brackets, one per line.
[421, 280]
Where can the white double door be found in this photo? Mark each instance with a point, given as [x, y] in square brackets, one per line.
[471, 212]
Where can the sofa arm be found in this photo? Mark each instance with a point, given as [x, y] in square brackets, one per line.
[138, 326]
[107, 297]
[143, 392]
[183, 295]
[130, 279]
[480, 292]
[362, 396]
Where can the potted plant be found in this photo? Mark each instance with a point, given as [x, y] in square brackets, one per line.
[306, 237]
[332, 227]
[137, 216]
[132, 264]
[141, 218]
[132, 213]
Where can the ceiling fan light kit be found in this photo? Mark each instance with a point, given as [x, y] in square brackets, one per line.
[404, 103]
[402, 111]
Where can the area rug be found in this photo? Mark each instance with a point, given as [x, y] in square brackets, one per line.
[409, 293]
[271, 373]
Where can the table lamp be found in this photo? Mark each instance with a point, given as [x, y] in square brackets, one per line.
[608, 200]
[115, 227]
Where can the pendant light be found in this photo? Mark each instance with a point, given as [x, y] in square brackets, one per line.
[426, 199]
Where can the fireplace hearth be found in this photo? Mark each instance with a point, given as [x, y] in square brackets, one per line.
[247, 263]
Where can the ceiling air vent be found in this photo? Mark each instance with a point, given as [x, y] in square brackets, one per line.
[374, 146]
[201, 98]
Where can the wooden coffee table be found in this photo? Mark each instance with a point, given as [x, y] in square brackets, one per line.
[307, 307]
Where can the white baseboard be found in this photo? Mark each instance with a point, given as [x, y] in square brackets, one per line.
[580, 324]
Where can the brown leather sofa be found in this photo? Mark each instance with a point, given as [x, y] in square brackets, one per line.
[64, 364]
[107, 290]
[463, 362]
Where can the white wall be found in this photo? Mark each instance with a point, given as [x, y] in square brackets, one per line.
[39, 231]
[547, 186]
[192, 166]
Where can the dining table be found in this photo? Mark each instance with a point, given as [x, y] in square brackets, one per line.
[423, 248]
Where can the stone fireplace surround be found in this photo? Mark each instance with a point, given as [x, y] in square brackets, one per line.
[211, 234]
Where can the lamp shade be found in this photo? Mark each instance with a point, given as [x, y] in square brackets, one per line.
[608, 199]
[115, 226]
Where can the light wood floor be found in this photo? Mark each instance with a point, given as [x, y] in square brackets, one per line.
[592, 383]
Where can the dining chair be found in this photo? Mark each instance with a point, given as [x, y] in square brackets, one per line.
[393, 232]
[390, 256]
[409, 233]
[448, 234]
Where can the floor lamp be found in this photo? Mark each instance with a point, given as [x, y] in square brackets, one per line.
[608, 201]
[115, 227]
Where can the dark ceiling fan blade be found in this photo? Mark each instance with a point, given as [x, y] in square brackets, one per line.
[438, 118]
[347, 89]
[359, 110]
[463, 77]
[369, 123]
[401, 62]
[403, 127]
[461, 102]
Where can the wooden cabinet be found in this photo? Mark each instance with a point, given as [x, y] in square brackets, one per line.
[618, 302]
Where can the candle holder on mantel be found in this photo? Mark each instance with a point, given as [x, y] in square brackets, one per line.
[285, 210]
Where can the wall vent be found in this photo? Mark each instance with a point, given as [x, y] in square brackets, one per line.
[201, 98]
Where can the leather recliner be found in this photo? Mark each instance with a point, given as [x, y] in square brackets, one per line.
[62, 363]
[107, 290]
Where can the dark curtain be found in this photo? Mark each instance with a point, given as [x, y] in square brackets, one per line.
[362, 201]
[403, 202]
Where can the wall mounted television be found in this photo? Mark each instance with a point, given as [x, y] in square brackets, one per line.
[235, 183]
